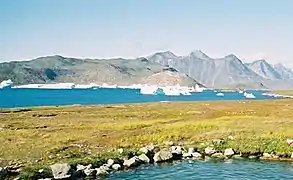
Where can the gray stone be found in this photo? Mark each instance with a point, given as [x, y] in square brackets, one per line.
[144, 158]
[101, 172]
[209, 151]
[163, 155]
[252, 157]
[187, 155]
[229, 152]
[267, 155]
[191, 150]
[144, 150]
[196, 155]
[237, 156]
[110, 162]
[3, 172]
[61, 171]
[120, 150]
[292, 155]
[132, 162]
[89, 172]
[80, 167]
[116, 167]
[176, 150]
[105, 167]
[218, 155]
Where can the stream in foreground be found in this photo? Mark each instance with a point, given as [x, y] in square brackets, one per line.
[236, 169]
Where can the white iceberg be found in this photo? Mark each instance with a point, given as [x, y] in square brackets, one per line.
[110, 86]
[198, 89]
[249, 95]
[6, 84]
[149, 90]
[171, 91]
[85, 86]
[220, 94]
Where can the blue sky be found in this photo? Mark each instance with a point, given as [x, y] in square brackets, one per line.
[251, 29]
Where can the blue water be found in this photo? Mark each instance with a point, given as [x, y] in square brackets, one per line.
[42, 97]
[230, 170]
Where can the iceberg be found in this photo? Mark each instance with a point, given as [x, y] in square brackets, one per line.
[48, 86]
[249, 95]
[198, 89]
[220, 94]
[171, 91]
[6, 84]
[105, 85]
[85, 86]
[148, 90]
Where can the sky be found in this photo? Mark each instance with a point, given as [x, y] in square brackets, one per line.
[251, 29]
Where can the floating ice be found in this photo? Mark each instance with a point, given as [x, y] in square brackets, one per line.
[6, 84]
[249, 95]
[220, 94]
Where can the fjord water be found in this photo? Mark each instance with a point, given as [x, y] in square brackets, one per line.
[229, 170]
[48, 97]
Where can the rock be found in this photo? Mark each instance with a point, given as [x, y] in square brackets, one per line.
[231, 138]
[176, 150]
[218, 155]
[238, 156]
[41, 170]
[229, 152]
[105, 167]
[61, 171]
[80, 167]
[3, 172]
[267, 155]
[132, 162]
[187, 155]
[252, 157]
[191, 150]
[290, 142]
[163, 155]
[144, 158]
[116, 167]
[110, 162]
[120, 150]
[101, 172]
[209, 151]
[90, 172]
[169, 143]
[196, 155]
[144, 150]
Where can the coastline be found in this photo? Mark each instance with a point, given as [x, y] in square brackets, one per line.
[94, 134]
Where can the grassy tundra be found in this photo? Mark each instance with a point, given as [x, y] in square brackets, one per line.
[78, 133]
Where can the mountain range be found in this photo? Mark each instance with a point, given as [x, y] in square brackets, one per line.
[228, 71]
[163, 68]
[54, 69]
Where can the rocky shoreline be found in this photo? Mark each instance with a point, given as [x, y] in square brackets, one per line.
[150, 154]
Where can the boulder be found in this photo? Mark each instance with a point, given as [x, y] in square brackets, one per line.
[132, 162]
[162, 156]
[237, 156]
[101, 172]
[209, 151]
[144, 158]
[3, 172]
[110, 162]
[176, 150]
[229, 152]
[90, 172]
[218, 155]
[187, 155]
[144, 150]
[105, 167]
[267, 155]
[116, 167]
[191, 150]
[61, 171]
[169, 143]
[120, 150]
[80, 167]
[292, 155]
[196, 155]
[290, 142]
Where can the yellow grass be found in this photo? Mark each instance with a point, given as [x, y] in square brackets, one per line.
[78, 131]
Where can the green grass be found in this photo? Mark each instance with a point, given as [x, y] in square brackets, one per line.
[82, 133]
